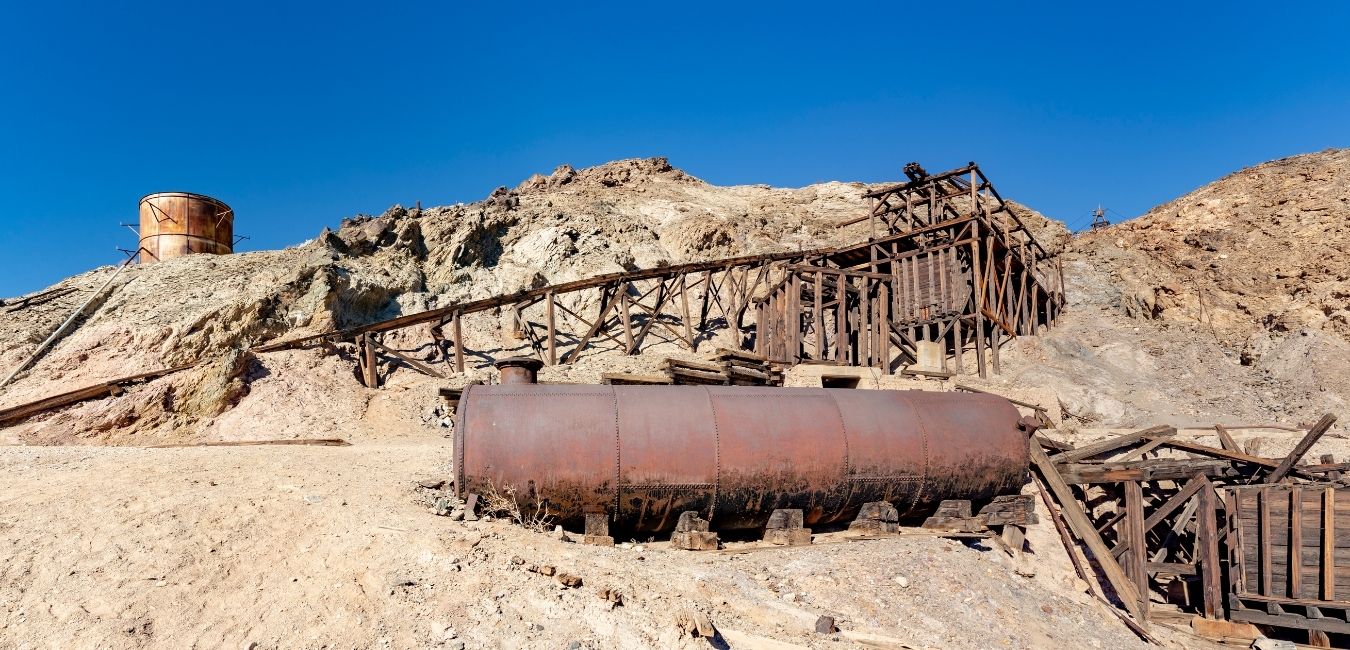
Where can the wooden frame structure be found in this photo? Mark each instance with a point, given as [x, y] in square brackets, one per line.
[954, 270]
[1289, 557]
[1229, 534]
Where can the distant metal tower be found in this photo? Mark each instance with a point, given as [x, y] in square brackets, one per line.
[1099, 218]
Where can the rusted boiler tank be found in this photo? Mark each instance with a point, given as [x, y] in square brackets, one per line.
[174, 224]
[644, 454]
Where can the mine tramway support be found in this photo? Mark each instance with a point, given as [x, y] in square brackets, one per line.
[949, 268]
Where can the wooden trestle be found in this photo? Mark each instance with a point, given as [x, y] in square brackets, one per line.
[948, 264]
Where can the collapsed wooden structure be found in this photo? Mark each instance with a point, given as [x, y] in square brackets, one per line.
[1223, 532]
[950, 268]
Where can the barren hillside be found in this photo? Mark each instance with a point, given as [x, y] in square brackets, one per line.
[1228, 304]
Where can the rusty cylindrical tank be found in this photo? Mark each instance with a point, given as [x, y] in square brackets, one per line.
[174, 224]
[644, 454]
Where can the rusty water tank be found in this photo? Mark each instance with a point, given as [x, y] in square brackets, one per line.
[174, 224]
[644, 454]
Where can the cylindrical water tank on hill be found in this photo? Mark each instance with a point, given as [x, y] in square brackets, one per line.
[174, 224]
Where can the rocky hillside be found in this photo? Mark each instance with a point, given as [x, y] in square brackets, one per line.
[568, 225]
[1231, 303]
[1226, 304]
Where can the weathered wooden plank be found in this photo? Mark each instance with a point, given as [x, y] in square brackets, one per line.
[1301, 448]
[1328, 564]
[1206, 450]
[1137, 559]
[1263, 526]
[1111, 444]
[1161, 469]
[1207, 551]
[1295, 568]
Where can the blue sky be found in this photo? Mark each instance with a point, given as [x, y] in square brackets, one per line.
[298, 114]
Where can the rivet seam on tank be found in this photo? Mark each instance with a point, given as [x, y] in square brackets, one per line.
[460, 428]
[618, 463]
[717, 455]
[843, 431]
[923, 441]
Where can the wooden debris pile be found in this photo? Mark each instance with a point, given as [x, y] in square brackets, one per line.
[725, 368]
[1206, 529]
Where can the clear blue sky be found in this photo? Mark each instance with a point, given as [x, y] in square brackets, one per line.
[299, 115]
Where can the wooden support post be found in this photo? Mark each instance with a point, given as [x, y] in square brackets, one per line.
[1328, 563]
[1226, 439]
[957, 344]
[1263, 530]
[817, 317]
[883, 327]
[1295, 549]
[552, 330]
[979, 306]
[1082, 527]
[626, 318]
[864, 330]
[1207, 551]
[1137, 558]
[459, 342]
[994, 333]
[684, 314]
[371, 366]
[841, 318]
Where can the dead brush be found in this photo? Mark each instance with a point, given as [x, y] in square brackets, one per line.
[503, 504]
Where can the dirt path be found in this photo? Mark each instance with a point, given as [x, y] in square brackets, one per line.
[291, 547]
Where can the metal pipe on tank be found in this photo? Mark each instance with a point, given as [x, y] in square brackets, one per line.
[644, 454]
[519, 370]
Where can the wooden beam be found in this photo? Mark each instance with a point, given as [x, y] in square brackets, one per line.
[1295, 549]
[552, 325]
[459, 342]
[1226, 439]
[1135, 565]
[1206, 450]
[1112, 444]
[1329, 544]
[1082, 527]
[1301, 448]
[1207, 552]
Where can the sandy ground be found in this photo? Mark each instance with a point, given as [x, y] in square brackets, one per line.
[332, 547]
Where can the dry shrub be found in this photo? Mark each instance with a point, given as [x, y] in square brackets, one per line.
[504, 504]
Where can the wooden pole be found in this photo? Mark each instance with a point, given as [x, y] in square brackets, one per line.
[459, 343]
[552, 331]
[1207, 551]
[817, 316]
[978, 282]
[626, 318]
[684, 313]
[1137, 559]
[841, 318]
[372, 369]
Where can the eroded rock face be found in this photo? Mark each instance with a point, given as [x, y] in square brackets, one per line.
[1259, 253]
